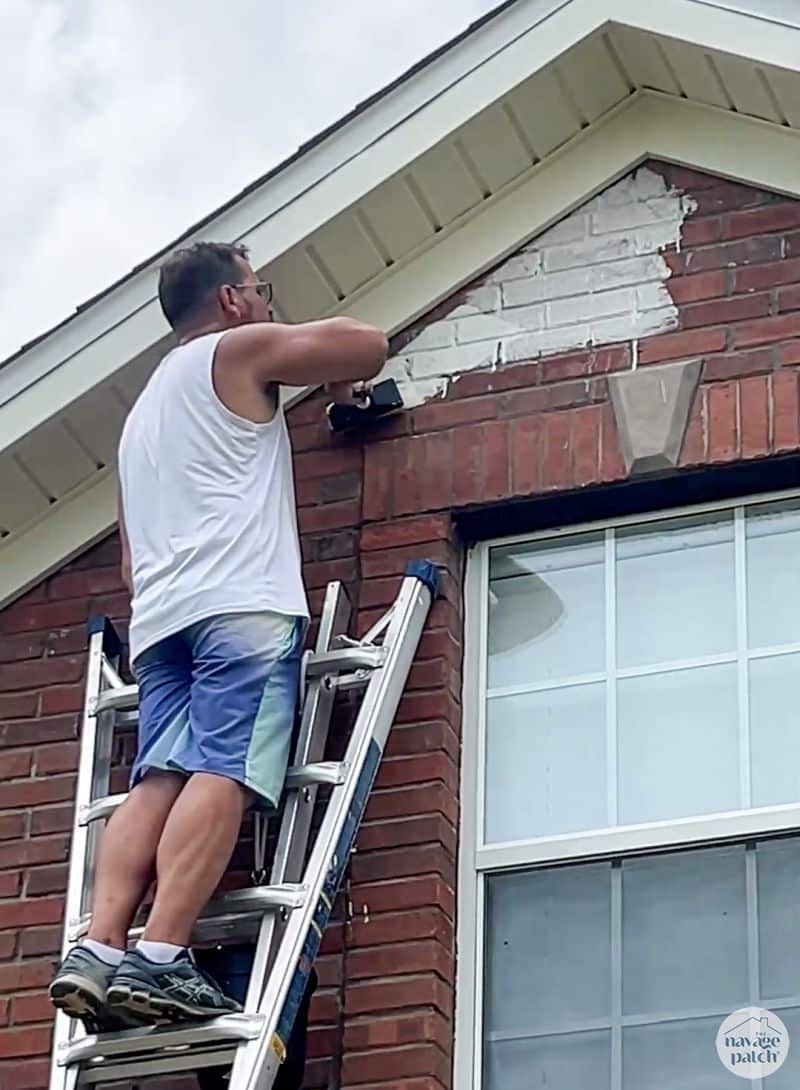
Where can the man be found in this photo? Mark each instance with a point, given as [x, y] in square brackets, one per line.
[211, 552]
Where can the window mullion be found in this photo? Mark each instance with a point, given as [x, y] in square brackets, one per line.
[479, 833]
[742, 668]
[470, 924]
[483, 684]
[616, 976]
[753, 953]
[611, 676]
[672, 834]
[480, 974]
[753, 967]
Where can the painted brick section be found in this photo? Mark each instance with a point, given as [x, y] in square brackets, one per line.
[540, 424]
[597, 277]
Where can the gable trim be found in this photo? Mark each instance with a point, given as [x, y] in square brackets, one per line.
[74, 526]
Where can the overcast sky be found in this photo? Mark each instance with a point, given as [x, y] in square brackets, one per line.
[124, 121]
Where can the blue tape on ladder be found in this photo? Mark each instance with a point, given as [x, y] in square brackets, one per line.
[112, 645]
[427, 573]
[330, 889]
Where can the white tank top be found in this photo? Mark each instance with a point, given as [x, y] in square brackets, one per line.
[208, 501]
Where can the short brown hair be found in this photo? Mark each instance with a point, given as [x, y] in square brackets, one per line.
[189, 276]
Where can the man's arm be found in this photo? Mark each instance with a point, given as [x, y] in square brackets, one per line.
[334, 350]
[126, 548]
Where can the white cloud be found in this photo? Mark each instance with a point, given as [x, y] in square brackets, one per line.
[123, 123]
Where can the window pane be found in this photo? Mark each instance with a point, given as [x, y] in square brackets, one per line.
[787, 1077]
[569, 1062]
[674, 1056]
[548, 950]
[778, 900]
[545, 763]
[678, 744]
[773, 575]
[657, 946]
[774, 733]
[546, 611]
[679, 912]
[675, 591]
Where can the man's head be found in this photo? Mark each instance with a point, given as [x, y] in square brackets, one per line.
[209, 286]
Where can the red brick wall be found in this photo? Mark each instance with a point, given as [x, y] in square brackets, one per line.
[383, 1016]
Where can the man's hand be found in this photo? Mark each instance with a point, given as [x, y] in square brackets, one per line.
[348, 393]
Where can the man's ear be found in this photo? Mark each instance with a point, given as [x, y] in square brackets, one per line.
[228, 301]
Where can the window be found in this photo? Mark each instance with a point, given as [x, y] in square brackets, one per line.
[628, 874]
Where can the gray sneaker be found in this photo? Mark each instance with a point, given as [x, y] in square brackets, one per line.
[79, 988]
[176, 991]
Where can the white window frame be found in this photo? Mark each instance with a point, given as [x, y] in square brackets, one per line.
[477, 861]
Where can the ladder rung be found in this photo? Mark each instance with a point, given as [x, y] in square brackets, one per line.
[100, 808]
[290, 895]
[239, 927]
[357, 680]
[228, 1027]
[125, 697]
[330, 772]
[229, 908]
[143, 1066]
[327, 772]
[347, 660]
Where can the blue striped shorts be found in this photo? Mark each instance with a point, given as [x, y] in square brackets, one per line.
[221, 696]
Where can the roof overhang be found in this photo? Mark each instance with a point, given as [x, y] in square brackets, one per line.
[505, 132]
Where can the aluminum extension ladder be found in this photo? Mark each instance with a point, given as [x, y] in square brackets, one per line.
[285, 918]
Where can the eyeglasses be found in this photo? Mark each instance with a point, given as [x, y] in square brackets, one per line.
[263, 288]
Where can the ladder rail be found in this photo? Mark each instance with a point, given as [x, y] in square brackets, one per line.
[256, 1064]
[93, 779]
[94, 772]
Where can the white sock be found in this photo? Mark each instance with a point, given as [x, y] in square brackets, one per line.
[109, 954]
[160, 952]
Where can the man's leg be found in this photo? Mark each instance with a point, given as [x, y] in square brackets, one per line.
[125, 869]
[127, 856]
[158, 980]
[195, 848]
[128, 846]
[126, 862]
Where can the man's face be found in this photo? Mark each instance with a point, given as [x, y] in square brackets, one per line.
[254, 307]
